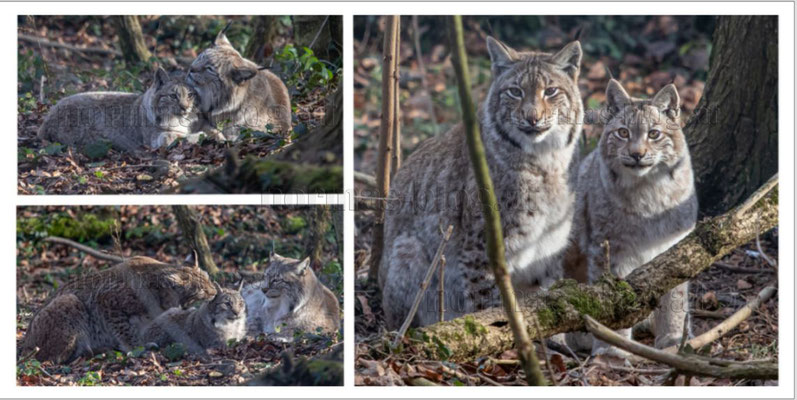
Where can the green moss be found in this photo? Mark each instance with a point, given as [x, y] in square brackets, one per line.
[290, 177]
[85, 227]
[294, 225]
[546, 317]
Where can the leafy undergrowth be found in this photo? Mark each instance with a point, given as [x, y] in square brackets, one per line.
[240, 238]
[714, 294]
[47, 74]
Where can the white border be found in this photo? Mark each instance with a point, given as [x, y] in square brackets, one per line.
[8, 186]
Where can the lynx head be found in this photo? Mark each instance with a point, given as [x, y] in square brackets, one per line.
[641, 136]
[170, 103]
[287, 277]
[226, 308]
[534, 96]
[221, 76]
[191, 284]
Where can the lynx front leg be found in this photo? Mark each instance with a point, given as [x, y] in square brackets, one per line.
[670, 316]
[404, 259]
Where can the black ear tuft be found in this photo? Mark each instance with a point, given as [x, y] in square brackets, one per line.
[240, 75]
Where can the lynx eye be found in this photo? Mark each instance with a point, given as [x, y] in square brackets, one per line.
[551, 91]
[515, 92]
[654, 134]
[622, 133]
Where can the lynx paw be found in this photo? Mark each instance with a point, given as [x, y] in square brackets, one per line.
[662, 342]
[611, 351]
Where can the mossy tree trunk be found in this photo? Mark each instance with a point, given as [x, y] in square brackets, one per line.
[191, 227]
[733, 136]
[260, 45]
[614, 302]
[131, 39]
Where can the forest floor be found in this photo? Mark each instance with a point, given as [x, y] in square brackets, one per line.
[715, 293]
[47, 74]
[240, 238]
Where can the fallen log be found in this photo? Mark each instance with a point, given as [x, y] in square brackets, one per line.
[616, 303]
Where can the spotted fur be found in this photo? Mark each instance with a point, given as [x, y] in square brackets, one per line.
[530, 133]
[131, 122]
[289, 298]
[106, 310]
[636, 190]
[236, 93]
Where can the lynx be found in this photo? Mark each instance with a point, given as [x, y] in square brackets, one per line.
[129, 121]
[234, 92]
[530, 125]
[106, 310]
[290, 298]
[211, 325]
[636, 191]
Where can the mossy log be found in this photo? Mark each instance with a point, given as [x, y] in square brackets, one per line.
[614, 302]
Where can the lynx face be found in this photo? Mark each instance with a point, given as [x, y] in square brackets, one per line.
[642, 136]
[284, 277]
[533, 94]
[219, 75]
[192, 284]
[226, 308]
[171, 104]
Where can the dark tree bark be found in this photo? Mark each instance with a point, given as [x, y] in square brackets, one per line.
[313, 31]
[319, 218]
[131, 39]
[260, 44]
[193, 233]
[733, 136]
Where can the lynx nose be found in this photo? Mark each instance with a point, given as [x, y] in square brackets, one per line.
[637, 156]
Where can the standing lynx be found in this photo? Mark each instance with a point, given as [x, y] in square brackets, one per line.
[290, 297]
[530, 125]
[106, 310]
[636, 191]
[212, 324]
[235, 93]
[129, 121]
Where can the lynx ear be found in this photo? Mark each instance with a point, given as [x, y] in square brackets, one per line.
[221, 39]
[616, 96]
[276, 257]
[241, 285]
[301, 267]
[161, 78]
[240, 75]
[668, 101]
[218, 288]
[569, 58]
[501, 56]
[196, 260]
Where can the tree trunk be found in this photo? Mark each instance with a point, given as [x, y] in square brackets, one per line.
[193, 233]
[260, 44]
[733, 136]
[614, 302]
[131, 40]
[319, 217]
[386, 141]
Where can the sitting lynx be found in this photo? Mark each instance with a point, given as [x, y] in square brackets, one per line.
[636, 190]
[211, 325]
[129, 121]
[289, 298]
[530, 124]
[234, 91]
[106, 310]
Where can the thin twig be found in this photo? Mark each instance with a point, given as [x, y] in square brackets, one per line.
[29, 356]
[757, 195]
[441, 292]
[545, 353]
[772, 263]
[732, 322]
[424, 285]
[416, 33]
[692, 365]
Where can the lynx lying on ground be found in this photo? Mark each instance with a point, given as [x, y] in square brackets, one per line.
[290, 297]
[129, 121]
[106, 310]
[636, 190]
[211, 325]
[234, 92]
[530, 125]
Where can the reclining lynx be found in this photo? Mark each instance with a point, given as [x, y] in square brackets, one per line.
[234, 92]
[210, 325]
[129, 121]
[530, 125]
[636, 190]
[289, 298]
[106, 310]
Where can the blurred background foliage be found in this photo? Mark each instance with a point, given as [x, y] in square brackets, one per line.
[643, 52]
